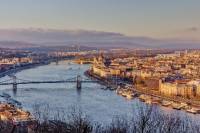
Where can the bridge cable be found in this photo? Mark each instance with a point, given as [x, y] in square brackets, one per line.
[6, 80]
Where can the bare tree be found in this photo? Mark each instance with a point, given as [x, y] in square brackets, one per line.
[146, 119]
[118, 125]
[141, 122]
[78, 122]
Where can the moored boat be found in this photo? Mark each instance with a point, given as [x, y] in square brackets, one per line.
[177, 106]
[144, 97]
[184, 105]
[155, 100]
[112, 88]
[192, 110]
[148, 101]
[5, 95]
[129, 96]
[119, 91]
[123, 94]
[166, 103]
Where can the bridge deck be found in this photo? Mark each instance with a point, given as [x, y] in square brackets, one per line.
[45, 82]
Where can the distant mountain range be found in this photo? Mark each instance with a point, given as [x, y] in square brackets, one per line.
[26, 38]
[16, 44]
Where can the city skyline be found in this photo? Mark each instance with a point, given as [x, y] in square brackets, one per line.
[154, 19]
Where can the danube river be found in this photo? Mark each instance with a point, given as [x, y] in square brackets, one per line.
[100, 105]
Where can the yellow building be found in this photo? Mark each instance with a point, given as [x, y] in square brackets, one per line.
[168, 89]
[178, 89]
[114, 71]
[100, 71]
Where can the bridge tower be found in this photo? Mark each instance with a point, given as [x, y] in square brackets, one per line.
[78, 82]
[14, 83]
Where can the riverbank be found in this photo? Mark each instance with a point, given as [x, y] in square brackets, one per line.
[29, 66]
[149, 97]
[15, 70]
[100, 80]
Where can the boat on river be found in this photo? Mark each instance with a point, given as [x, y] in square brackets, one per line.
[166, 103]
[185, 105]
[127, 93]
[108, 88]
[148, 101]
[105, 88]
[192, 110]
[177, 106]
[119, 91]
[155, 100]
[144, 98]
[102, 88]
[112, 88]
[129, 96]
[123, 94]
[5, 95]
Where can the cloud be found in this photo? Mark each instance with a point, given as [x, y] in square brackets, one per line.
[55, 37]
[43, 35]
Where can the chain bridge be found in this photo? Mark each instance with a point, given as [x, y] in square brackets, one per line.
[14, 81]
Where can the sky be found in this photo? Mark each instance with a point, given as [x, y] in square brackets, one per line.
[151, 18]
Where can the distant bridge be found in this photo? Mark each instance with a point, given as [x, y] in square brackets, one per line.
[17, 81]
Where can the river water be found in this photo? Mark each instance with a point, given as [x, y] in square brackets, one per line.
[100, 105]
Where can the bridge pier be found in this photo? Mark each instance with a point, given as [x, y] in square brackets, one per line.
[78, 82]
[14, 84]
[14, 87]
